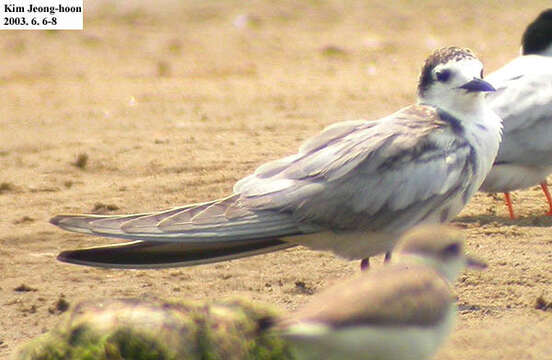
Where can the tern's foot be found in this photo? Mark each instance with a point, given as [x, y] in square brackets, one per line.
[509, 205]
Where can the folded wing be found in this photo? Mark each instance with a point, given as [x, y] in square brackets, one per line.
[380, 176]
[384, 175]
[524, 101]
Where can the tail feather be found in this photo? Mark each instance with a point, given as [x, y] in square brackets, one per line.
[151, 255]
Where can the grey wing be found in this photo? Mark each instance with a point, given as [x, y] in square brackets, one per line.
[215, 221]
[385, 175]
[189, 235]
[524, 101]
[329, 138]
[192, 234]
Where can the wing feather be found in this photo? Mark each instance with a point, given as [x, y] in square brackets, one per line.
[384, 175]
[524, 102]
[401, 167]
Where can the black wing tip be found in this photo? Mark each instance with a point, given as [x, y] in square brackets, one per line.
[106, 256]
[153, 255]
[73, 257]
[56, 220]
[60, 220]
[65, 256]
[88, 257]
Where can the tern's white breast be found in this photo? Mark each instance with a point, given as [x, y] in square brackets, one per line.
[510, 177]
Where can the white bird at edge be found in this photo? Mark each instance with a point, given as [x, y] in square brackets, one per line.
[401, 311]
[353, 189]
[524, 102]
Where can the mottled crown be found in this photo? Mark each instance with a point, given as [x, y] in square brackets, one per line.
[538, 35]
[441, 56]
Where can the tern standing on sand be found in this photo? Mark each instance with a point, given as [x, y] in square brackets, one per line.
[352, 189]
[524, 101]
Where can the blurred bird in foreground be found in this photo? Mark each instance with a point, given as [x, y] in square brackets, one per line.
[524, 101]
[400, 311]
[353, 189]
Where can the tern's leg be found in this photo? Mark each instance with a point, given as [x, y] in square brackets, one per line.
[364, 264]
[509, 205]
[548, 197]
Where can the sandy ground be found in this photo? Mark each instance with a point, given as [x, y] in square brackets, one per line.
[173, 103]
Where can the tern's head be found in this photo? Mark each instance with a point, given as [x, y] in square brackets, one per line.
[438, 246]
[537, 38]
[452, 80]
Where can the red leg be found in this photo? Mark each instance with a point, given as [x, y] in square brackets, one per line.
[509, 205]
[548, 198]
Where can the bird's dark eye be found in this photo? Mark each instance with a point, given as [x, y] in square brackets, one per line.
[443, 75]
[481, 74]
[451, 250]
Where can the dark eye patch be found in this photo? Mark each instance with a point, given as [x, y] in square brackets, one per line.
[443, 75]
[481, 74]
[451, 250]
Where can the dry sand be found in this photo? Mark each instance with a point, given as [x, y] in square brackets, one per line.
[172, 103]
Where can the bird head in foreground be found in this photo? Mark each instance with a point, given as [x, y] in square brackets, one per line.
[438, 246]
[452, 79]
[537, 38]
[403, 310]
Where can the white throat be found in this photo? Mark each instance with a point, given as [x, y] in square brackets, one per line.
[460, 104]
[449, 270]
